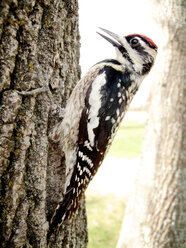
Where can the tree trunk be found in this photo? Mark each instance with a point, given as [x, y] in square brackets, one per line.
[156, 212]
[39, 46]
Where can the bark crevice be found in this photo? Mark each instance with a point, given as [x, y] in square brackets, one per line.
[39, 46]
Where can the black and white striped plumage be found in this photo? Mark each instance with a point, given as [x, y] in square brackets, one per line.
[94, 112]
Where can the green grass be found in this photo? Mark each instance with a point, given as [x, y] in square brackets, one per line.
[127, 142]
[105, 212]
[105, 215]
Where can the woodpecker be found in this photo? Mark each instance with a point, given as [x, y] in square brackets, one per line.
[94, 111]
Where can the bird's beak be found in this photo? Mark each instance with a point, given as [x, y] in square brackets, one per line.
[116, 42]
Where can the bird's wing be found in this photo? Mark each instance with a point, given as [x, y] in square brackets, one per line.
[105, 103]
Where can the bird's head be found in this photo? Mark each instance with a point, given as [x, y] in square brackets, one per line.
[138, 51]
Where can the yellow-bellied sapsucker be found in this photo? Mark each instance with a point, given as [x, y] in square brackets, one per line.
[95, 110]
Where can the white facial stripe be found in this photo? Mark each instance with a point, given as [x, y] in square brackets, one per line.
[95, 105]
[134, 55]
[148, 50]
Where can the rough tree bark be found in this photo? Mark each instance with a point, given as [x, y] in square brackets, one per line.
[156, 212]
[39, 46]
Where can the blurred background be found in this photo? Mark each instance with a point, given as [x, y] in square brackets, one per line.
[108, 192]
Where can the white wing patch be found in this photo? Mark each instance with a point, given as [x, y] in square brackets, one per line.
[95, 105]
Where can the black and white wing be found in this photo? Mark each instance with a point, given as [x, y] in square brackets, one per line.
[105, 105]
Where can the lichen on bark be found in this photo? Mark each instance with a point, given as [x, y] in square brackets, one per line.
[36, 38]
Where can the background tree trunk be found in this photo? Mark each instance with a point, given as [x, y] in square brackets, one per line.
[156, 212]
[36, 38]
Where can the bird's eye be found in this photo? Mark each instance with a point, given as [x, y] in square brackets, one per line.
[134, 42]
